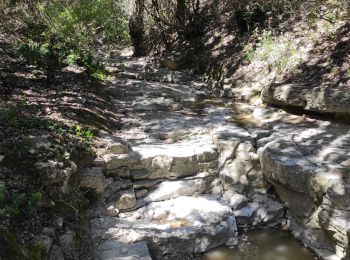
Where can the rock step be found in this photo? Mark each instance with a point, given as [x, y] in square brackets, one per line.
[178, 227]
[154, 161]
[175, 160]
[166, 190]
[157, 76]
[114, 250]
[123, 194]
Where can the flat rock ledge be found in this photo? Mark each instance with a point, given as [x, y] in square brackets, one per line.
[333, 99]
[175, 229]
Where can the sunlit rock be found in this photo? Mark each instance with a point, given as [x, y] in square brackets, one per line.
[189, 186]
[181, 226]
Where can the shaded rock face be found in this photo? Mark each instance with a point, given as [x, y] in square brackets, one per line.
[331, 100]
[239, 167]
[309, 173]
[262, 211]
[177, 183]
[315, 77]
[178, 61]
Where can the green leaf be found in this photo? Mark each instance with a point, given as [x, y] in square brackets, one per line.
[2, 192]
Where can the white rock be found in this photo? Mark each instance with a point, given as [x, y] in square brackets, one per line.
[176, 160]
[112, 211]
[180, 226]
[186, 187]
[235, 200]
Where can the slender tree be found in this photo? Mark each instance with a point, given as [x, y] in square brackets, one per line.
[136, 28]
[181, 11]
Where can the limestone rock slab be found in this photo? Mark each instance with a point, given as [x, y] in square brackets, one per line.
[183, 225]
[114, 250]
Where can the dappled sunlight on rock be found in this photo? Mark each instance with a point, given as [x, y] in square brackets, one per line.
[180, 226]
[198, 169]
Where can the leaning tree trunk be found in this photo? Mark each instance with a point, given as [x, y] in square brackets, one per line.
[136, 28]
[181, 11]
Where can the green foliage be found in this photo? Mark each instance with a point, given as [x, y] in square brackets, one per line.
[9, 245]
[83, 134]
[348, 72]
[34, 51]
[87, 61]
[70, 31]
[263, 48]
[72, 58]
[35, 198]
[265, 45]
[13, 207]
[277, 51]
[248, 52]
[99, 74]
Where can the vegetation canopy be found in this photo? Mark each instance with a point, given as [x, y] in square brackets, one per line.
[68, 31]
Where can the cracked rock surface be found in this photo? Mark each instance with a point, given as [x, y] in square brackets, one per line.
[186, 172]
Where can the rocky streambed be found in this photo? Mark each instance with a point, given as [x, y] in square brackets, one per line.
[188, 174]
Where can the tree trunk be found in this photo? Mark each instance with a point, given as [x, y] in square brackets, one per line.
[181, 12]
[136, 28]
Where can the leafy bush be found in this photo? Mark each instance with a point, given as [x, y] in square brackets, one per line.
[10, 246]
[70, 31]
[278, 51]
[34, 51]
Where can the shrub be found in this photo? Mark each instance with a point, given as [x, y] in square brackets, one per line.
[70, 31]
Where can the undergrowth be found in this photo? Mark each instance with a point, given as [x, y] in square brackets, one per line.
[36, 156]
